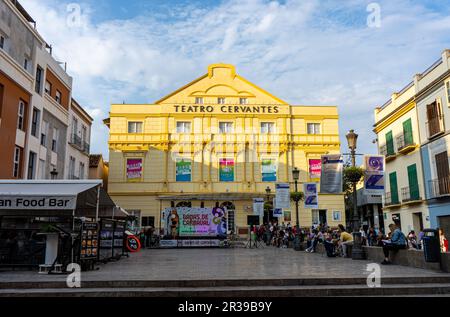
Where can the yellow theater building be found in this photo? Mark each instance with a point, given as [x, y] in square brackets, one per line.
[219, 141]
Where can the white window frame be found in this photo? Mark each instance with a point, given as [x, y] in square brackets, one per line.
[135, 127]
[243, 101]
[221, 100]
[58, 96]
[55, 138]
[44, 133]
[72, 163]
[21, 116]
[34, 124]
[81, 171]
[183, 127]
[16, 162]
[41, 169]
[228, 127]
[48, 87]
[267, 127]
[26, 62]
[199, 100]
[314, 129]
[447, 90]
[2, 42]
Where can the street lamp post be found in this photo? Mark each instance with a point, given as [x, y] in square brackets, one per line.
[268, 200]
[295, 176]
[54, 173]
[357, 253]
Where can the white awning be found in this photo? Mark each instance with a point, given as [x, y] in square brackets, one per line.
[64, 188]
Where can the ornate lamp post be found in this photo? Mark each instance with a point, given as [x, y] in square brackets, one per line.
[296, 176]
[357, 253]
[268, 200]
[54, 173]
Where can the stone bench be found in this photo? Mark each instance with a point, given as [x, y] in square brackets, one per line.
[408, 257]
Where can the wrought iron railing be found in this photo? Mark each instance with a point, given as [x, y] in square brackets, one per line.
[404, 140]
[439, 187]
[410, 194]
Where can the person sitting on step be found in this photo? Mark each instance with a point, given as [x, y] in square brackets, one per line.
[397, 242]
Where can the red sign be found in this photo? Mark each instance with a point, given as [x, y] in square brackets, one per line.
[133, 244]
[315, 167]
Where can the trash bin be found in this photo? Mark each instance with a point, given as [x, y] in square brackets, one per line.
[431, 245]
[297, 243]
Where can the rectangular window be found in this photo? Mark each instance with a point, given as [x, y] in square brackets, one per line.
[26, 63]
[41, 169]
[81, 171]
[58, 96]
[448, 92]
[313, 128]
[17, 158]
[38, 83]
[55, 139]
[35, 122]
[407, 132]
[21, 116]
[225, 127]
[443, 172]
[198, 100]
[394, 188]
[243, 101]
[221, 101]
[32, 165]
[83, 133]
[434, 117]
[134, 127]
[48, 87]
[2, 42]
[183, 127]
[390, 143]
[413, 183]
[148, 222]
[72, 168]
[44, 132]
[267, 127]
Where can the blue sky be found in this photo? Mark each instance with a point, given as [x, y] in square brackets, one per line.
[306, 52]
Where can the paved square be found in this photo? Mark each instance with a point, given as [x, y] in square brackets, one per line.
[213, 264]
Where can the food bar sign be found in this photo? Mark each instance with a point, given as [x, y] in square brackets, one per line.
[38, 202]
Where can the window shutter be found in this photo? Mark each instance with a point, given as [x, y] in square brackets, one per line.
[413, 184]
[393, 185]
[390, 143]
[407, 132]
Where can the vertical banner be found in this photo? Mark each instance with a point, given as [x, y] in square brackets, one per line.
[374, 174]
[278, 212]
[258, 206]
[315, 166]
[134, 169]
[183, 170]
[311, 195]
[331, 174]
[269, 170]
[226, 170]
[287, 216]
[282, 196]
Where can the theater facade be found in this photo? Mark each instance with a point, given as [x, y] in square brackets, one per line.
[219, 141]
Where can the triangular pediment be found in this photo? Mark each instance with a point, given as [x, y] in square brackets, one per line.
[220, 81]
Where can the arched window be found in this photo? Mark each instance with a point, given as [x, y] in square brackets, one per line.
[184, 204]
[230, 208]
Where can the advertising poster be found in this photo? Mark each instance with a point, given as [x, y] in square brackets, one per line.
[226, 170]
[269, 170]
[311, 195]
[331, 174]
[106, 238]
[336, 215]
[374, 174]
[89, 241]
[282, 196]
[134, 169]
[258, 206]
[287, 216]
[183, 170]
[195, 222]
[118, 237]
[278, 212]
[315, 166]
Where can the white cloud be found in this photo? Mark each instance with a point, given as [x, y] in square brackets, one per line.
[305, 52]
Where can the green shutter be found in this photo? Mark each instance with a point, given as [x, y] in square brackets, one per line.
[407, 132]
[390, 143]
[394, 189]
[413, 184]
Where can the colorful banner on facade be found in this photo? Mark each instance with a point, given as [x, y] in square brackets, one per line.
[194, 222]
[278, 212]
[282, 196]
[258, 206]
[374, 174]
[183, 170]
[134, 169]
[287, 216]
[315, 166]
[311, 195]
[269, 170]
[331, 174]
[226, 170]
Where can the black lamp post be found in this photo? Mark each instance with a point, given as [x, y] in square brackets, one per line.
[357, 253]
[296, 176]
[268, 207]
[54, 173]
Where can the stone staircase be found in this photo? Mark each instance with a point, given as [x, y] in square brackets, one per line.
[306, 287]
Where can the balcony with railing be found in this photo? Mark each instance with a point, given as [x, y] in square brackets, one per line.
[405, 143]
[78, 142]
[387, 152]
[439, 187]
[435, 126]
[411, 194]
[391, 201]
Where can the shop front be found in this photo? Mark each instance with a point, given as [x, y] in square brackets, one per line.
[47, 222]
